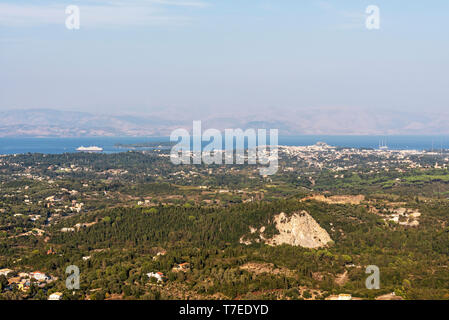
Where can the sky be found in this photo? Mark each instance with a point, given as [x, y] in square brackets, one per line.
[234, 57]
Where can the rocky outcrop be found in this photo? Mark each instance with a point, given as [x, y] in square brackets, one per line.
[345, 199]
[300, 229]
[260, 268]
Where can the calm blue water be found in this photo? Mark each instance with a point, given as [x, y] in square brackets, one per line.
[62, 145]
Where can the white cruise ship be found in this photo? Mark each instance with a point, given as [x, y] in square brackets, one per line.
[89, 149]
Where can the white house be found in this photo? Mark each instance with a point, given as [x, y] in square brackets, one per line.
[4, 272]
[158, 275]
[39, 276]
[55, 296]
[342, 296]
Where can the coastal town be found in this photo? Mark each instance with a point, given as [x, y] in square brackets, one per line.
[139, 227]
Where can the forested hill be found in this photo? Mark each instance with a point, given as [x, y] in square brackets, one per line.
[411, 259]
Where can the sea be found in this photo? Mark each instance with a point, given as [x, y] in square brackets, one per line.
[109, 144]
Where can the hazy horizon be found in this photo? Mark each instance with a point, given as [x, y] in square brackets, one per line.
[216, 58]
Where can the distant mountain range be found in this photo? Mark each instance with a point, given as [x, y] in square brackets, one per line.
[341, 121]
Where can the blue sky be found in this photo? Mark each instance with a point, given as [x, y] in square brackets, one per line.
[229, 56]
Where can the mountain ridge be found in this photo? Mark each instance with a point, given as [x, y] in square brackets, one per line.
[315, 121]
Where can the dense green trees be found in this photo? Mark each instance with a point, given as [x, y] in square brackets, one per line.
[208, 238]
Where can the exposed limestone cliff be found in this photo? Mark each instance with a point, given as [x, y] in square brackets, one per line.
[299, 230]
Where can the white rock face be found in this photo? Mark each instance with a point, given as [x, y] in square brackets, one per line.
[299, 230]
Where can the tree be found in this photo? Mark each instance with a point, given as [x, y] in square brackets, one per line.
[3, 282]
